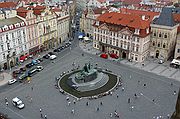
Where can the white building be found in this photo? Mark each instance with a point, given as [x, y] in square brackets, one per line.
[13, 41]
[97, 3]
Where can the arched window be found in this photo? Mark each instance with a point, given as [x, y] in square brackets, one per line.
[158, 44]
[165, 36]
[164, 45]
[159, 34]
[153, 43]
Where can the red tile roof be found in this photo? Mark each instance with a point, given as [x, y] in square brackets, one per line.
[148, 14]
[130, 20]
[130, 2]
[7, 5]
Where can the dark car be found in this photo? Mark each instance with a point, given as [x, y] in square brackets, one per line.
[46, 56]
[22, 77]
[57, 50]
[40, 60]
[17, 72]
[51, 53]
[23, 69]
[29, 65]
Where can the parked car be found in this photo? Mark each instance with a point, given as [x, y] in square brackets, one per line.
[39, 68]
[105, 56]
[113, 55]
[12, 81]
[52, 57]
[40, 59]
[175, 63]
[18, 103]
[51, 53]
[22, 77]
[29, 65]
[32, 71]
[23, 69]
[46, 56]
[17, 72]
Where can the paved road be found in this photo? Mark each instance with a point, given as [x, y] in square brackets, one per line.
[45, 96]
[155, 99]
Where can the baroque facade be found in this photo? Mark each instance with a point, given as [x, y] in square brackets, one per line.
[126, 35]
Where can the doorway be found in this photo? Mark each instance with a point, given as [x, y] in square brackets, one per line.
[103, 48]
[157, 53]
[123, 55]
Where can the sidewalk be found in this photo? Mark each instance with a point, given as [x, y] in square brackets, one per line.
[4, 77]
[150, 65]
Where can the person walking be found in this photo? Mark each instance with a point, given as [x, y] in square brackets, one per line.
[129, 100]
[7, 103]
[87, 103]
[97, 109]
[101, 103]
[72, 111]
[45, 116]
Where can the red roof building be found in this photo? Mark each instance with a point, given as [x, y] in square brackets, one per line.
[126, 35]
[7, 5]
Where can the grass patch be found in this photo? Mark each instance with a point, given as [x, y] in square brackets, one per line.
[109, 85]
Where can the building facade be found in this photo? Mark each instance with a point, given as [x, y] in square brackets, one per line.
[126, 35]
[88, 18]
[164, 34]
[63, 23]
[13, 40]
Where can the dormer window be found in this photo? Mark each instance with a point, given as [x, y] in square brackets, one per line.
[97, 23]
[11, 26]
[22, 24]
[137, 31]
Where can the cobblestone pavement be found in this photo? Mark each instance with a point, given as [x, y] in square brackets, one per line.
[150, 65]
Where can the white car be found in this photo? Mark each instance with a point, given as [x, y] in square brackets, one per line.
[18, 103]
[52, 57]
[11, 81]
[39, 68]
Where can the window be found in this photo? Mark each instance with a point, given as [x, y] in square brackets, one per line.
[153, 43]
[2, 47]
[4, 57]
[136, 58]
[164, 45]
[138, 39]
[178, 50]
[165, 36]
[154, 34]
[110, 42]
[137, 48]
[159, 34]
[158, 44]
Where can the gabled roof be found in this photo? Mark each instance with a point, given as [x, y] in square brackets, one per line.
[165, 18]
[7, 5]
[130, 20]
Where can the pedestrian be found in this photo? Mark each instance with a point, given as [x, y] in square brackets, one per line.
[97, 109]
[171, 84]
[153, 100]
[87, 103]
[101, 103]
[111, 115]
[40, 110]
[72, 111]
[111, 93]
[174, 93]
[45, 116]
[129, 100]
[144, 85]
[74, 101]
[132, 107]
[135, 95]
[69, 103]
[168, 116]
[41, 115]
[7, 103]
[138, 81]
[122, 88]
[32, 88]
[117, 96]
[30, 100]
[6, 100]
